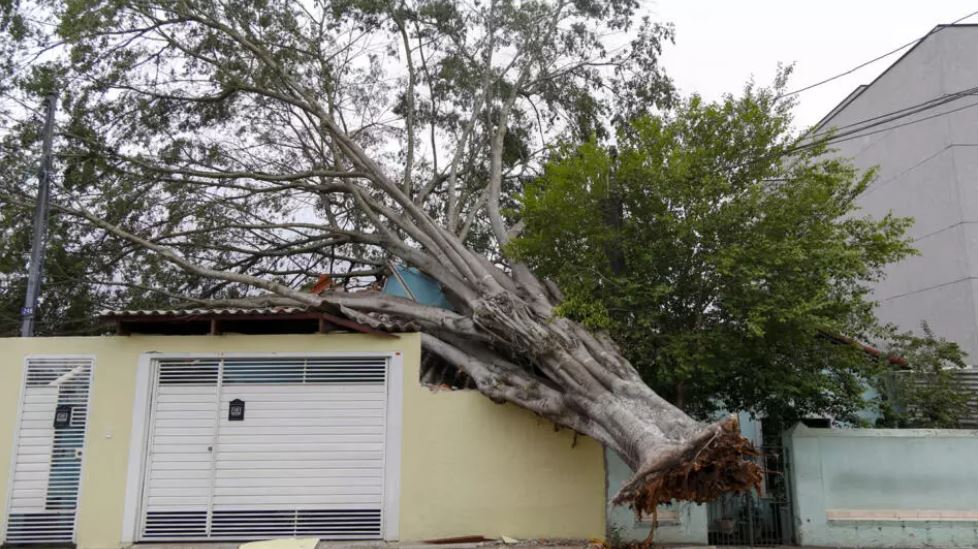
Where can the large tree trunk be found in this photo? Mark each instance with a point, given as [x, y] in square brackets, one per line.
[581, 380]
[518, 351]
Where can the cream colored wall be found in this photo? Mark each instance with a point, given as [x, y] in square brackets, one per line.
[468, 466]
[473, 467]
[11, 377]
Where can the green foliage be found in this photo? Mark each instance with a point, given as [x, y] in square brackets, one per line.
[82, 274]
[926, 393]
[721, 255]
[615, 536]
[68, 304]
[151, 94]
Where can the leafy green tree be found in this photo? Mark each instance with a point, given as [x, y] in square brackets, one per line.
[68, 302]
[725, 255]
[923, 391]
[83, 272]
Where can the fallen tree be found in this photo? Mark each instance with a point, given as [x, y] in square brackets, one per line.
[257, 143]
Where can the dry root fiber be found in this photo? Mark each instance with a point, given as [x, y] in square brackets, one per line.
[719, 465]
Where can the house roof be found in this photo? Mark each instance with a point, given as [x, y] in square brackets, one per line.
[250, 320]
[276, 314]
[224, 311]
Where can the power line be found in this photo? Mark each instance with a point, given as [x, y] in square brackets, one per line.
[858, 129]
[914, 109]
[876, 121]
[875, 59]
[833, 140]
[863, 126]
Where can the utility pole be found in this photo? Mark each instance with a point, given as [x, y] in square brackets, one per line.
[39, 240]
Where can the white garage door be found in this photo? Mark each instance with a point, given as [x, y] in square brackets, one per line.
[305, 459]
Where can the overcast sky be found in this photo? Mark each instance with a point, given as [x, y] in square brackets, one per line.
[720, 44]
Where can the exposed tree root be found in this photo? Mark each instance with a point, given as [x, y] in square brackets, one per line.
[714, 464]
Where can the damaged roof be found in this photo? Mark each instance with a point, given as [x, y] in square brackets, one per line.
[276, 314]
[225, 311]
[276, 319]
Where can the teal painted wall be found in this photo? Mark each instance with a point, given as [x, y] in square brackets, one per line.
[690, 526]
[884, 487]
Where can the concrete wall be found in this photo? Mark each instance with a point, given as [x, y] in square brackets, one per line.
[468, 466]
[928, 170]
[678, 523]
[884, 488]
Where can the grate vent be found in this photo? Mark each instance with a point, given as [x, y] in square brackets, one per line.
[176, 525]
[43, 528]
[332, 524]
[189, 372]
[305, 370]
[325, 524]
[273, 370]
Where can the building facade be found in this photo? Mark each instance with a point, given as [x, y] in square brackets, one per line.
[114, 440]
[917, 123]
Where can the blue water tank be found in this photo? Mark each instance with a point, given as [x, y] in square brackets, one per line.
[425, 290]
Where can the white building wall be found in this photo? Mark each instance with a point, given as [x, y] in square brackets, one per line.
[928, 170]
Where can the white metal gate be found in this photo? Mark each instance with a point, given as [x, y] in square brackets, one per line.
[306, 457]
[43, 499]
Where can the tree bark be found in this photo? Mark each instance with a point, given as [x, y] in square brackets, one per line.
[595, 390]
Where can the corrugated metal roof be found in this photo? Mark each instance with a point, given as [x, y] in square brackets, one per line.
[202, 311]
[129, 320]
[275, 307]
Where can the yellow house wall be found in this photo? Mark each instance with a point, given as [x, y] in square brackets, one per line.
[468, 466]
[473, 467]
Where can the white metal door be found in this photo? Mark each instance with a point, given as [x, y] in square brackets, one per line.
[179, 462]
[43, 500]
[307, 458]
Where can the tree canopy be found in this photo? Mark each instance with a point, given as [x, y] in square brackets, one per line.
[252, 145]
[184, 120]
[729, 259]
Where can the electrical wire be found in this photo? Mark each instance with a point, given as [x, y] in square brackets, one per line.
[833, 140]
[914, 109]
[878, 58]
[859, 128]
[860, 132]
